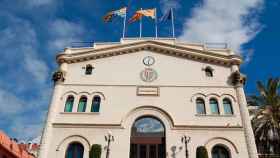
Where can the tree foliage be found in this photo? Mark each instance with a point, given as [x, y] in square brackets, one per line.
[95, 151]
[201, 152]
[266, 122]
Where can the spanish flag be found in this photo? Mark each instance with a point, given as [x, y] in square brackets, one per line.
[138, 14]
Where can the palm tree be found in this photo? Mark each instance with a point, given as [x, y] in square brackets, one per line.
[266, 122]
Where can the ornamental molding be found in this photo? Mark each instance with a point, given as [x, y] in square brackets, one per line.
[119, 126]
[154, 46]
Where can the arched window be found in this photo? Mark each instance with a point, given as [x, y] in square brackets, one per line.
[82, 104]
[209, 71]
[89, 69]
[75, 150]
[214, 106]
[95, 104]
[148, 138]
[220, 152]
[200, 106]
[227, 106]
[69, 104]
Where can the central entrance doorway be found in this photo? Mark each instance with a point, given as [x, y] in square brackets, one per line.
[147, 138]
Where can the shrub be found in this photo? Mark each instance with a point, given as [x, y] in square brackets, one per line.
[201, 152]
[95, 151]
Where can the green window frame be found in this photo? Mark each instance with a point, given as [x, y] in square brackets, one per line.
[69, 104]
[200, 106]
[227, 106]
[82, 104]
[96, 101]
[214, 106]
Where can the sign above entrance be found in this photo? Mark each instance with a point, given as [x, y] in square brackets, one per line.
[147, 91]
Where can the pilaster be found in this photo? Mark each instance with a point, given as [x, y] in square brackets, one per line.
[248, 131]
[58, 78]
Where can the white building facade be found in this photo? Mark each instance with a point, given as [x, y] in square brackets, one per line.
[148, 93]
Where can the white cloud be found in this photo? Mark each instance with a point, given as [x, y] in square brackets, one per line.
[63, 33]
[9, 104]
[19, 48]
[234, 22]
[36, 67]
[23, 83]
[26, 130]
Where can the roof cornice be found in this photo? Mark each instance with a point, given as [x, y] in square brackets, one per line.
[155, 46]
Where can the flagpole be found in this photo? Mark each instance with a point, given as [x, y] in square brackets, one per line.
[156, 22]
[140, 26]
[124, 22]
[172, 16]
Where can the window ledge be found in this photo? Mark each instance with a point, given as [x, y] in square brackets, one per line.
[214, 115]
[82, 113]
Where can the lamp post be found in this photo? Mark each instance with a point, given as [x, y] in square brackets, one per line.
[185, 140]
[108, 138]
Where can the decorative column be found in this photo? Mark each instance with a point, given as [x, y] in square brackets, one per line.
[58, 78]
[239, 80]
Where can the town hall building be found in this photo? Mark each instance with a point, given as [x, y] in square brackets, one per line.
[151, 98]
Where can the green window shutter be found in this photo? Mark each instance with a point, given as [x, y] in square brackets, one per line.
[95, 104]
[227, 107]
[69, 104]
[82, 104]
[214, 106]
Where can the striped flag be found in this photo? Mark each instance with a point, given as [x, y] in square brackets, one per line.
[109, 16]
[138, 14]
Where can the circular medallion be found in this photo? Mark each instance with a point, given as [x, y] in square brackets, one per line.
[148, 75]
[149, 60]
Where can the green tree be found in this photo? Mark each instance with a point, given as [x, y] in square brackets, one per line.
[95, 151]
[201, 152]
[267, 119]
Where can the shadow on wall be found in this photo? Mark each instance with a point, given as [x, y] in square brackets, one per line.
[174, 151]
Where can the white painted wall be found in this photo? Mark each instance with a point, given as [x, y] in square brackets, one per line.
[180, 81]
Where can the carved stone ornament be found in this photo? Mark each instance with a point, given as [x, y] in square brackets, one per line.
[238, 78]
[58, 76]
[149, 61]
[148, 75]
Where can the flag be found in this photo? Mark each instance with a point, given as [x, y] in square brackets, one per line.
[121, 12]
[138, 14]
[166, 16]
[135, 17]
[148, 12]
[109, 16]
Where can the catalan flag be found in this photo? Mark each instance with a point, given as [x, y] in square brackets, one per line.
[148, 12]
[138, 14]
[109, 16]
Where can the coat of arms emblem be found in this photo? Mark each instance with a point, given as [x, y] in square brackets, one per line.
[148, 75]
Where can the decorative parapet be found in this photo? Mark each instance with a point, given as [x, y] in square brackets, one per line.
[155, 46]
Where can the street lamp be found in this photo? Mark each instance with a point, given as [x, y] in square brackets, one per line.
[185, 140]
[108, 139]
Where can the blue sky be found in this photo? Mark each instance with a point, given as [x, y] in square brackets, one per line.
[32, 32]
